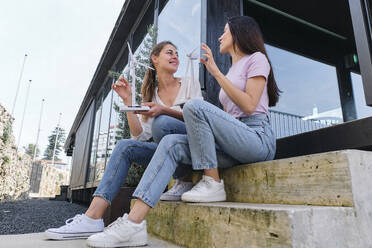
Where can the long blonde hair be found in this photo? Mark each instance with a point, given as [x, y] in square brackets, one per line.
[149, 83]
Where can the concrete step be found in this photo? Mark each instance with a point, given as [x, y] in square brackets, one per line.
[325, 179]
[236, 225]
[32, 240]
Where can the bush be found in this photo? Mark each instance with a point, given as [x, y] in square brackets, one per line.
[7, 132]
[6, 160]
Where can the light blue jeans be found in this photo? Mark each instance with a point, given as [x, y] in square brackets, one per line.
[214, 139]
[129, 151]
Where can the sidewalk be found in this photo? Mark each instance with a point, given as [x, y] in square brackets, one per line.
[37, 240]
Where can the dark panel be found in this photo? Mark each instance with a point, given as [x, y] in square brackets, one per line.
[35, 177]
[333, 15]
[81, 152]
[283, 32]
[361, 14]
[350, 135]
[346, 91]
[217, 13]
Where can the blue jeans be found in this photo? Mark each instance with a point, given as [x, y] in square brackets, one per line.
[214, 139]
[129, 151]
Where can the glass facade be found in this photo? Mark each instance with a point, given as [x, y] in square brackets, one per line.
[360, 101]
[180, 23]
[93, 154]
[310, 97]
[101, 153]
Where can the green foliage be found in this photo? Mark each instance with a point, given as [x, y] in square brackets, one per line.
[6, 160]
[135, 173]
[30, 149]
[7, 132]
[48, 153]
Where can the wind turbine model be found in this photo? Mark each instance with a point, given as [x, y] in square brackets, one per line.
[132, 70]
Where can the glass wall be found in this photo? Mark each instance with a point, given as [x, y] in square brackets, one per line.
[102, 137]
[360, 101]
[310, 97]
[180, 22]
[93, 155]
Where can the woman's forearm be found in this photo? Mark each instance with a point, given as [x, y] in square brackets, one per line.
[135, 126]
[244, 101]
[173, 113]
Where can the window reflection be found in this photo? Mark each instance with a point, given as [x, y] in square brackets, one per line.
[363, 110]
[93, 155]
[310, 98]
[102, 137]
[180, 23]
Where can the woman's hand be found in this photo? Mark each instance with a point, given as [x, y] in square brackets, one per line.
[210, 64]
[155, 109]
[122, 87]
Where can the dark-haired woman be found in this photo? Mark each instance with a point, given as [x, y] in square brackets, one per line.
[164, 96]
[215, 138]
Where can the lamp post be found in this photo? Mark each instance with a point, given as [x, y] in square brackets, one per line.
[24, 112]
[19, 83]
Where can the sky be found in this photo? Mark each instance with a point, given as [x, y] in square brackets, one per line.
[64, 41]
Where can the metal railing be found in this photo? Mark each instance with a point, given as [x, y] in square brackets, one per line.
[285, 124]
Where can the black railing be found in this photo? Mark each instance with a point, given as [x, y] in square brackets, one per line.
[285, 124]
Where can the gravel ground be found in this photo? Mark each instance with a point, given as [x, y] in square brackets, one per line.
[35, 215]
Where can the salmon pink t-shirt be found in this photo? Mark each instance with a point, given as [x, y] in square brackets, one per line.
[249, 66]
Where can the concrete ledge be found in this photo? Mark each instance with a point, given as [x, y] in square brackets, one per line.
[320, 179]
[254, 225]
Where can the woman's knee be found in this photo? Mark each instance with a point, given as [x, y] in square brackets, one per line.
[162, 125]
[124, 144]
[192, 106]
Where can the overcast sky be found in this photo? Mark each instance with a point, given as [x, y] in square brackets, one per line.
[64, 41]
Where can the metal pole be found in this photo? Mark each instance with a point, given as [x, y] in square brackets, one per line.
[23, 116]
[19, 83]
[55, 142]
[38, 130]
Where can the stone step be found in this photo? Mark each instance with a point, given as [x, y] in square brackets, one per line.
[236, 225]
[325, 179]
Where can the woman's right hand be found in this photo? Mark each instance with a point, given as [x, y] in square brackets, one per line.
[122, 87]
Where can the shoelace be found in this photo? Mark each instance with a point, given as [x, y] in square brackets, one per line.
[74, 220]
[115, 225]
[199, 184]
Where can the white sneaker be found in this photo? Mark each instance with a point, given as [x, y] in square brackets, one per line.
[79, 227]
[175, 193]
[122, 232]
[206, 190]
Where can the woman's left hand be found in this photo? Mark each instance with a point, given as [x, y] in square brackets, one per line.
[155, 109]
[210, 64]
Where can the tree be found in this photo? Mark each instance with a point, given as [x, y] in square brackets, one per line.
[48, 153]
[30, 149]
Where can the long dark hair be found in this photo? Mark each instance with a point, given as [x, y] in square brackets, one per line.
[149, 83]
[247, 37]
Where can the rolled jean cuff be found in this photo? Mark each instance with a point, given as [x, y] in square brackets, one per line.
[141, 195]
[204, 167]
[103, 196]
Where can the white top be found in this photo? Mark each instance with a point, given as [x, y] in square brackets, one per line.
[188, 90]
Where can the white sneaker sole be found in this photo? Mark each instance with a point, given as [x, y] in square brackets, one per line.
[64, 236]
[217, 197]
[106, 244]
